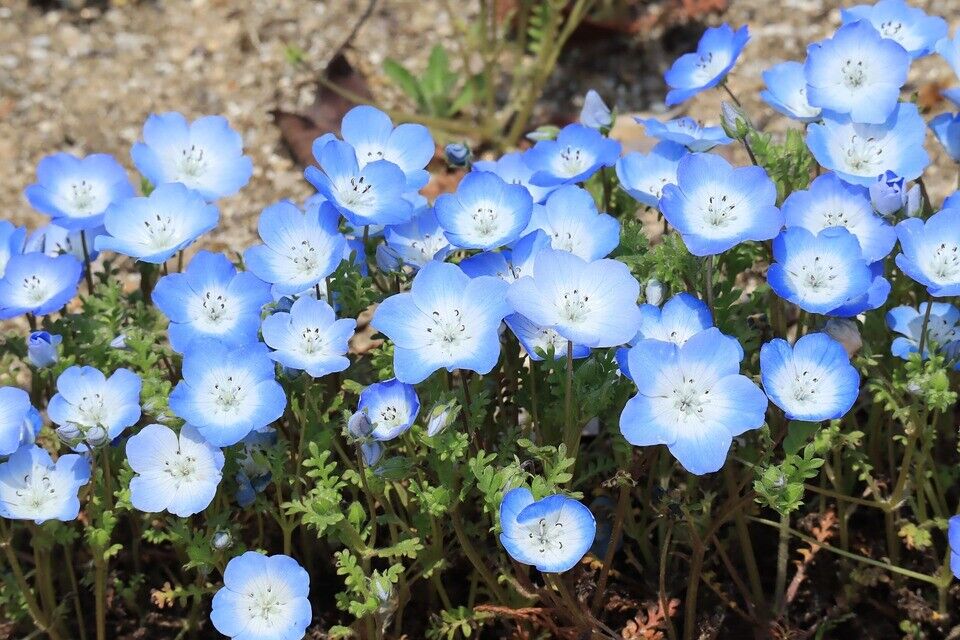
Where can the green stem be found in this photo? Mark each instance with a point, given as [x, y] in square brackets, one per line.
[100, 592]
[743, 536]
[33, 607]
[693, 585]
[87, 274]
[923, 328]
[571, 430]
[75, 588]
[478, 563]
[709, 287]
[623, 502]
[783, 555]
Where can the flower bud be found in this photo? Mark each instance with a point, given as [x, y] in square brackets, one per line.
[371, 452]
[120, 342]
[458, 154]
[388, 260]
[888, 196]
[595, 113]
[441, 417]
[359, 425]
[221, 540]
[546, 132]
[734, 120]
[654, 291]
[846, 332]
[42, 349]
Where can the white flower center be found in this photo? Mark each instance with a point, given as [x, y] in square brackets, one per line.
[367, 154]
[428, 245]
[214, 306]
[719, 212]
[486, 219]
[944, 264]
[35, 289]
[161, 231]
[389, 416]
[862, 156]
[91, 409]
[835, 219]
[816, 276]
[563, 241]
[448, 330]
[546, 537]
[37, 490]
[304, 256]
[312, 341]
[180, 467]
[573, 161]
[853, 72]
[358, 194]
[192, 163]
[267, 602]
[891, 29]
[82, 197]
[227, 395]
[805, 387]
[574, 306]
[689, 399]
[549, 337]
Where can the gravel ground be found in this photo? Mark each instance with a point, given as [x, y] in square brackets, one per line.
[84, 81]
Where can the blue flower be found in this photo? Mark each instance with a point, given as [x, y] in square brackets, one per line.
[873, 298]
[457, 154]
[818, 273]
[508, 264]
[419, 241]
[485, 212]
[786, 91]
[949, 50]
[309, 337]
[254, 475]
[42, 348]
[645, 176]
[908, 26]
[263, 598]
[512, 169]
[571, 221]
[595, 113]
[371, 133]
[76, 192]
[14, 409]
[717, 52]
[943, 330]
[831, 202]
[946, 127]
[154, 228]
[858, 153]
[593, 304]
[685, 131]
[205, 155]
[175, 473]
[93, 409]
[54, 240]
[227, 393]
[856, 72]
[716, 206]
[300, 248]
[33, 487]
[368, 193]
[11, 243]
[576, 154]
[447, 320]
[888, 196]
[811, 381]
[931, 251]
[38, 284]
[211, 300]
[389, 407]
[441, 417]
[953, 536]
[552, 534]
[535, 338]
[692, 399]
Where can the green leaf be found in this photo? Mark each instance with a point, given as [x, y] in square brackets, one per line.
[406, 81]
[798, 434]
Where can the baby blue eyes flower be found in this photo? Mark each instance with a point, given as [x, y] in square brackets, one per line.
[692, 399]
[645, 176]
[205, 155]
[512, 169]
[931, 252]
[571, 221]
[653, 291]
[254, 475]
[811, 381]
[946, 127]
[508, 264]
[457, 154]
[485, 212]
[211, 300]
[417, 242]
[154, 228]
[263, 598]
[552, 534]
[309, 337]
[178, 473]
[818, 273]
[299, 248]
[717, 52]
[38, 284]
[389, 409]
[371, 133]
[535, 339]
[33, 487]
[54, 240]
[685, 131]
[576, 154]
[786, 91]
[593, 304]
[227, 393]
[595, 113]
[858, 153]
[888, 196]
[831, 202]
[715, 206]
[42, 348]
[93, 409]
[14, 410]
[943, 330]
[953, 536]
[367, 193]
[908, 26]
[12, 240]
[76, 192]
[949, 50]
[447, 320]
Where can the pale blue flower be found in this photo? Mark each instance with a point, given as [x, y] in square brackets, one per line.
[512, 169]
[930, 252]
[54, 240]
[11, 243]
[717, 52]
[889, 196]
[946, 127]
[33, 487]
[93, 409]
[535, 339]
[42, 348]
[786, 91]
[953, 538]
[949, 50]
[571, 221]
[15, 408]
[417, 242]
[38, 284]
[595, 113]
[508, 264]
[645, 176]
[389, 408]
[309, 337]
[485, 212]
[685, 131]
[552, 534]
[943, 330]
[908, 26]
[255, 474]
[576, 154]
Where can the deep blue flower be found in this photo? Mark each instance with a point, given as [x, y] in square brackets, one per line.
[595, 113]
[33, 487]
[812, 380]
[552, 534]
[512, 169]
[417, 242]
[11, 243]
[946, 127]
[227, 393]
[154, 228]
[692, 399]
[485, 212]
[309, 337]
[931, 251]
[205, 155]
[593, 304]
[508, 264]
[254, 475]
[716, 206]
[576, 154]
[389, 408]
[685, 131]
[953, 538]
[76, 192]
[571, 221]
[645, 176]
[908, 26]
[38, 284]
[717, 52]
[533, 337]
[178, 473]
[831, 202]
[14, 408]
[859, 153]
[786, 91]
[263, 598]
[889, 196]
[92, 409]
[873, 298]
[457, 154]
[447, 320]
[943, 330]
[42, 348]
[818, 273]
[54, 240]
